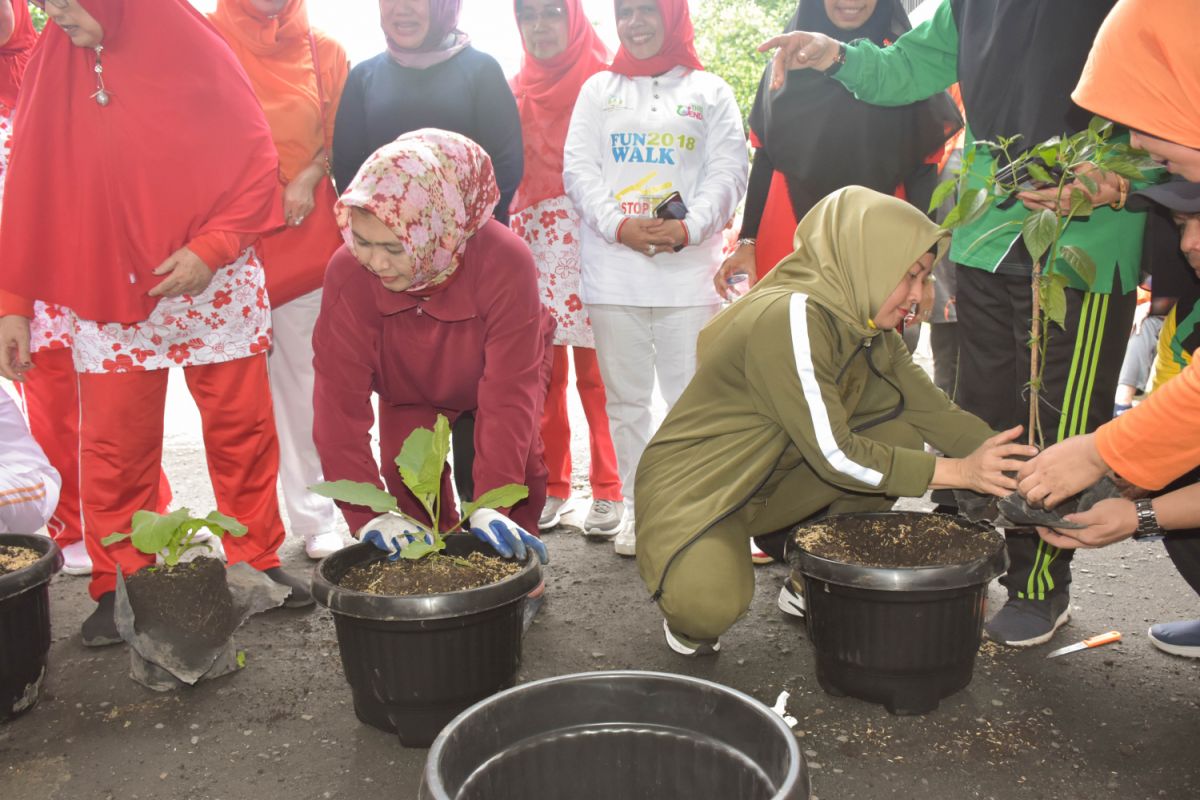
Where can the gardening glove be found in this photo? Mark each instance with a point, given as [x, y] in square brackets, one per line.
[505, 536]
[392, 533]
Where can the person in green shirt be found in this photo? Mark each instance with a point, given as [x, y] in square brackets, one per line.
[1016, 62]
[805, 401]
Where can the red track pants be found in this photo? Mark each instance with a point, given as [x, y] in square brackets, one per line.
[556, 428]
[52, 403]
[121, 438]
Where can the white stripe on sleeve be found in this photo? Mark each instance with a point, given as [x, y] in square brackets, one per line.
[802, 351]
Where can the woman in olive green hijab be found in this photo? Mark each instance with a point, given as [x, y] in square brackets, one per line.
[805, 401]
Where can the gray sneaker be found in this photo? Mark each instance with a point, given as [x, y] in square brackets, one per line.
[604, 518]
[551, 513]
[1024, 623]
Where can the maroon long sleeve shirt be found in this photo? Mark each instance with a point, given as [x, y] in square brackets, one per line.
[478, 343]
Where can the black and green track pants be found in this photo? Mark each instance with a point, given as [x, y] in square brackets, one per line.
[1083, 362]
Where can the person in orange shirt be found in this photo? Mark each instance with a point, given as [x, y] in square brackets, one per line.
[1142, 72]
[297, 73]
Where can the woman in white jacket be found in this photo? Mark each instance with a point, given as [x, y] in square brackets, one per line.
[652, 125]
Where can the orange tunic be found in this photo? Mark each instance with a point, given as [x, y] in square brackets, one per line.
[1159, 440]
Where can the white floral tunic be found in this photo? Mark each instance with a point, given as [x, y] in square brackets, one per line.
[551, 228]
[230, 319]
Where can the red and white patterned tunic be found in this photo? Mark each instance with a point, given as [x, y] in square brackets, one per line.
[230, 319]
[551, 228]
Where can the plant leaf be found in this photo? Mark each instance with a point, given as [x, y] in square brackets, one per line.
[941, 193]
[1088, 182]
[501, 497]
[1081, 205]
[412, 457]
[225, 523]
[154, 532]
[356, 493]
[114, 537]
[1126, 168]
[1039, 173]
[1038, 232]
[435, 461]
[1080, 262]
[417, 550]
[1099, 126]
[1054, 300]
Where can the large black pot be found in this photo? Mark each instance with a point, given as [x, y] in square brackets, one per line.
[25, 624]
[413, 663]
[903, 637]
[609, 735]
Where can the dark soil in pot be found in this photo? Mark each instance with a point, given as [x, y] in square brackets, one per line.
[918, 540]
[896, 603]
[434, 574]
[27, 563]
[414, 662]
[187, 604]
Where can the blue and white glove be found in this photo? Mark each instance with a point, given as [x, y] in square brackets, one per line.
[505, 536]
[392, 533]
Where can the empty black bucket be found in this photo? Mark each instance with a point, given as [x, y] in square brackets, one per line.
[25, 624]
[610, 735]
[414, 663]
[905, 637]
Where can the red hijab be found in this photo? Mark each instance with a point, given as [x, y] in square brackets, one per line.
[546, 90]
[678, 50]
[100, 196]
[16, 52]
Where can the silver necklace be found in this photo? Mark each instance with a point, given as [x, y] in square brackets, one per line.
[101, 95]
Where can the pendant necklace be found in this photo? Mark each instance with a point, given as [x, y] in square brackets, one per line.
[101, 95]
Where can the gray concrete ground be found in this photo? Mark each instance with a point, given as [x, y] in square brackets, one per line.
[1119, 722]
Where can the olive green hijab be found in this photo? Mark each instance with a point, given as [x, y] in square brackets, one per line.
[852, 250]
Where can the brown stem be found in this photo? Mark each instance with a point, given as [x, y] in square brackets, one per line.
[1035, 337]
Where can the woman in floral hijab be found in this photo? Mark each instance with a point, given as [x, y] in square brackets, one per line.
[432, 305]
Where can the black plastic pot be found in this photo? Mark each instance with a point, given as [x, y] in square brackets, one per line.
[414, 663]
[904, 637]
[25, 624]
[609, 735]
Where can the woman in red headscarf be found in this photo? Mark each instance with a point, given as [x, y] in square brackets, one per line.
[142, 171]
[655, 163]
[298, 74]
[433, 306]
[562, 50]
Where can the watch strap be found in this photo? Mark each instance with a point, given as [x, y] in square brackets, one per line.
[1148, 528]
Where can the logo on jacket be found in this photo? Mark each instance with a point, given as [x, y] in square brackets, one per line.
[615, 102]
[691, 111]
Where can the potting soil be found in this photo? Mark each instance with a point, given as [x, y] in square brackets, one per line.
[917, 540]
[191, 596]
[13, 559]
[433, 574]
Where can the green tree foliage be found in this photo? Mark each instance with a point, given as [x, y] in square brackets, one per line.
[39, 17]
[727, 35]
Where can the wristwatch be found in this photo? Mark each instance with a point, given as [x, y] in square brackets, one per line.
[838, 61]
[1148, 529]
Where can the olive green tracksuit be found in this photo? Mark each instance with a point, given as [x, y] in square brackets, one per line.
[798, 405]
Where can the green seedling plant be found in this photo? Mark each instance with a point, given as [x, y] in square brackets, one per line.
[1054, 164]
[421, 461]
[175, 534]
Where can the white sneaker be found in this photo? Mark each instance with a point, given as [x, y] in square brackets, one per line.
[758, 557]
[687, 647]
[76, 560]
[625, 542]
[551, 512]
[791, 600]
[604, 518]
[321, 545]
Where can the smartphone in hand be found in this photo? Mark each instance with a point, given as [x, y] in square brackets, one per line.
[672, 207]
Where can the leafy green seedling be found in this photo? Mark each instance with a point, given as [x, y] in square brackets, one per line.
[421, 461]
[174, 534]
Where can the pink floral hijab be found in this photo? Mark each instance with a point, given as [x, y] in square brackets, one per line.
[434, 189]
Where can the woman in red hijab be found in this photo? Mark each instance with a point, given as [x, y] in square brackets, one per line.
[562, 50]
[142, 171]
[655, 163]
[298, 74]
